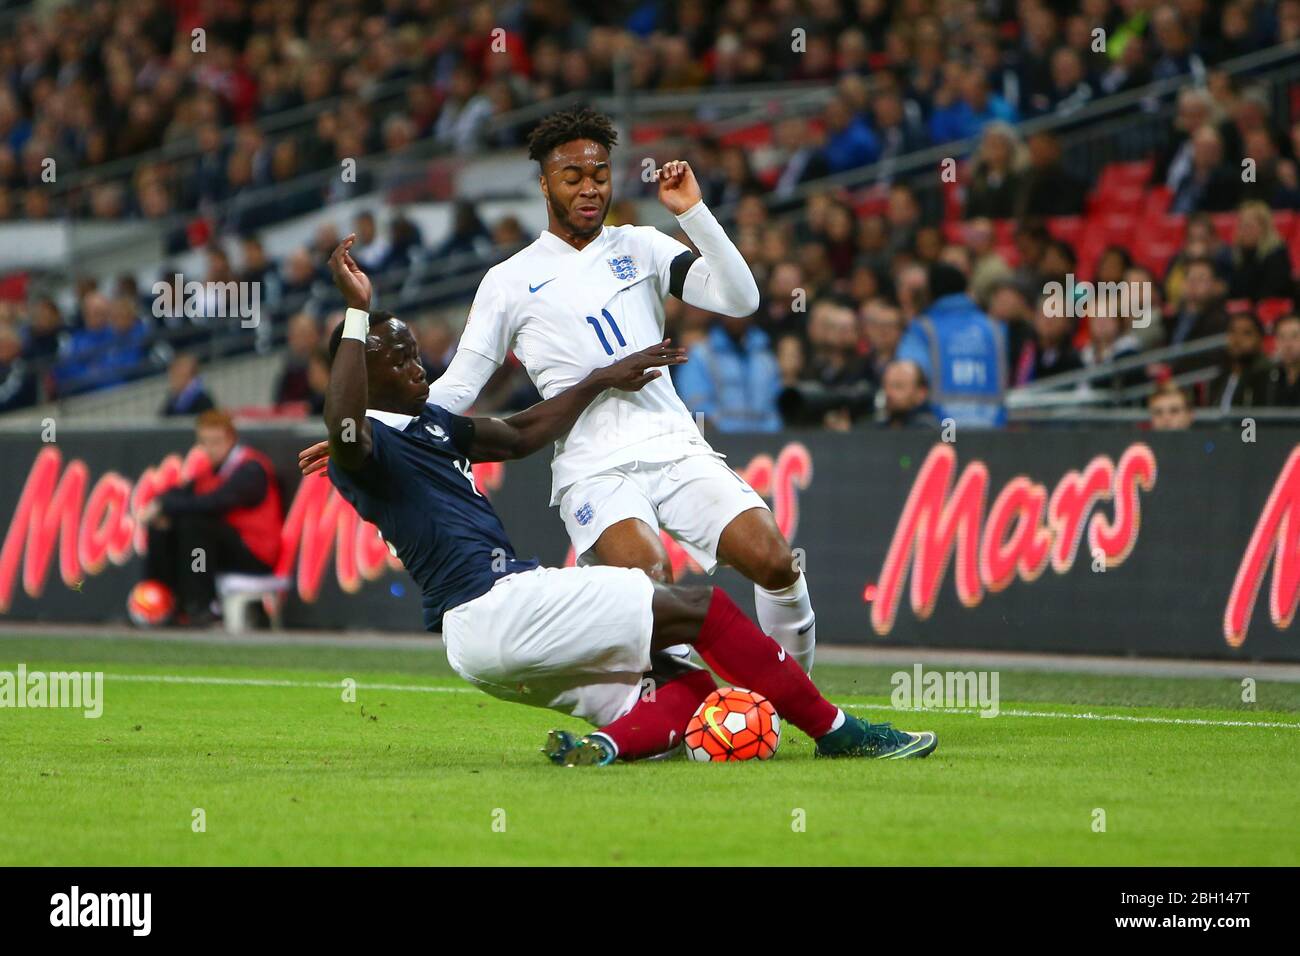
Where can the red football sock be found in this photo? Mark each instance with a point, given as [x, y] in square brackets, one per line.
[743, 655]
[653, 726]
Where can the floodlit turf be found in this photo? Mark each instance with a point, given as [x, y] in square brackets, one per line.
[287, 772]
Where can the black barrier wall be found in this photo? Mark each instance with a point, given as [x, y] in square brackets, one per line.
[1182, 544]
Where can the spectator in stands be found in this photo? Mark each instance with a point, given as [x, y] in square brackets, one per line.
[186, 394]
[1244, 366]
[902, 218]
[1209, 183]
[229, 515]
[256, 267]
[1275, 183]
[1199, 311]
[882, 324]
[907, 397]
[834, 362]
[1109, 341]
[790, 359]
[371, 250]
[77, 370]
[1170, 408]
[1149, 328]
[732, 378]
[46, 334]
[1052, 349]
[783, 291]
[469, 238]
[460, 124]
[1008, 305]
[964, 105]
[849, 140]
[318, 380]
[1173, 52]
[291, 384]
[1200, 242]
[1047, 187]
[996, 173]
[897, 132]
[1194, 109]
[1279, 385]
[960, 350]
[437, 345]
[804, 158]
[1070, 89]
[17, 383]
[1261, 265]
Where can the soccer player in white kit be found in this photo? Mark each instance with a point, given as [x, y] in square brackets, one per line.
[584, 294]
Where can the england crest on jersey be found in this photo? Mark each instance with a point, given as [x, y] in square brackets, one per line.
[623, 267]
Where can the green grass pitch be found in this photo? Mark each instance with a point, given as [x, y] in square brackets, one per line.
[422, 770]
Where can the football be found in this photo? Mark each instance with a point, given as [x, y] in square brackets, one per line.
[150, 604]
[733, 724]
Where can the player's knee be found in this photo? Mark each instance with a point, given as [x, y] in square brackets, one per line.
[776, 569]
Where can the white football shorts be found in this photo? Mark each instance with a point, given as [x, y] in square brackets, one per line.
[576, 640]
[693, 499]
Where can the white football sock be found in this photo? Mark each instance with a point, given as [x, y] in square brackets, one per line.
[784, 614]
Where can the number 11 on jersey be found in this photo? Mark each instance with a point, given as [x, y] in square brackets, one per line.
[600, 333]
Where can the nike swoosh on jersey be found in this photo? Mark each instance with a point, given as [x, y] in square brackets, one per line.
[534, 288]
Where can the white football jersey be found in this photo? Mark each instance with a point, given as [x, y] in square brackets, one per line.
[566, 312]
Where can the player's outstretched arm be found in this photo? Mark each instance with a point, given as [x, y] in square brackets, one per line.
[719, 280]
[345, 398]
[498, 439]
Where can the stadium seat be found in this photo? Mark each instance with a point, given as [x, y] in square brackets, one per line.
[1225, 224]
[1066, 228]
[238, 591]
[754, 136]
[1118, 199]
[1157, 202]
[1137, 173]
[1270, 310]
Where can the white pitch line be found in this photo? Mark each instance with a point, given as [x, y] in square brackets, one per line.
[1199, 721]
[267, 682]
[422, 688]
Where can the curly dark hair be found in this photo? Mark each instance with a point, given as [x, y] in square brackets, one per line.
[581, 122]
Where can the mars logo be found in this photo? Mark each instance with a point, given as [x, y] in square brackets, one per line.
[90, 531]
[1025, 529]
[1278, 530]
[96, 529]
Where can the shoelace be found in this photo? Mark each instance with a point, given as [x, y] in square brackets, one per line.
[882, 736]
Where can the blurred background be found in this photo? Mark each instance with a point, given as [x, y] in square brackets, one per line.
[849, 146]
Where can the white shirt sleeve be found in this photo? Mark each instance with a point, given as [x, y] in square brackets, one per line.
[489, 329]
[720, 280]
[458, 387]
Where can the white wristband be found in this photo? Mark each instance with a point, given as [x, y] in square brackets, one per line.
[356, 324]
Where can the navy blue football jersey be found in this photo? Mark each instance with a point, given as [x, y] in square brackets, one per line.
[417, 487]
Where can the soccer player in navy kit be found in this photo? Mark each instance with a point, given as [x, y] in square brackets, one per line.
[578, 639]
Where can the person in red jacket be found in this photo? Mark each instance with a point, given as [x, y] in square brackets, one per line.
[226, 520]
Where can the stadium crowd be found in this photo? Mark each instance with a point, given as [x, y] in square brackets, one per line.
[121, 80]
[844, 275]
